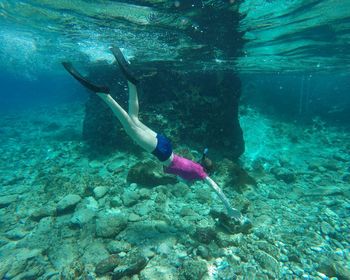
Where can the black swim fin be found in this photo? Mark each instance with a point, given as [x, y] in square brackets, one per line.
[124, 66]
[86, 83]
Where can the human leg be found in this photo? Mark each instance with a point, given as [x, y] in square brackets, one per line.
[133, 101]
[149, 140]
[134, 109]
[133, 81]
[163, 149]
[144, 138]
[157, 144]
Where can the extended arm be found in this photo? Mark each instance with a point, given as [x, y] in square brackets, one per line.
[232, 212]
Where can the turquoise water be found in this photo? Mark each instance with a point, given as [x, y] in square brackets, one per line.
[263, 84]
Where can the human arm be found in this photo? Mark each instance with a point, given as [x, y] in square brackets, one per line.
[232, 212]
[189, 170]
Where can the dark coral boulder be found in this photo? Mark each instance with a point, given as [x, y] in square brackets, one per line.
[149, 174]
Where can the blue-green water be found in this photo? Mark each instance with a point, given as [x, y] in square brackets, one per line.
[78, 198]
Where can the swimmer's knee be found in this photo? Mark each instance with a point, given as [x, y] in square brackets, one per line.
[136, 121]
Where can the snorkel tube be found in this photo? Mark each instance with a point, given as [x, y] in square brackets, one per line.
[206, 162]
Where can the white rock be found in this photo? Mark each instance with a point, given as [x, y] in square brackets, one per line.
[44, 211]
[85, 211]
[267, 261]
[100, 191]
[115, 165]
[130, 198]
[110, 222]
[94, 253]
[298, 271]
[164, 249]
[134, 217]
[15, 234]
[96, 164]
[7, 200]
[115, 247]
[339, 252]
[158, 272]
[68, 203]
[322, 276]
[63, 255]
[20, 263]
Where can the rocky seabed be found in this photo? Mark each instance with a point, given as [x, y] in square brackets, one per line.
[64, 215]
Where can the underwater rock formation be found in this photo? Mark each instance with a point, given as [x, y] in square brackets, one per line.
[230, 225]
[131, 264]
[192, 270]
[196, 108]
[205, 235]
[299, 230]
[7, 200]
[149, 174]
[107, 265]
[67, 203]
[235, 175]
[193, 98]
[109, 223]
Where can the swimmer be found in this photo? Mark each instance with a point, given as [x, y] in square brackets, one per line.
[154, 143]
